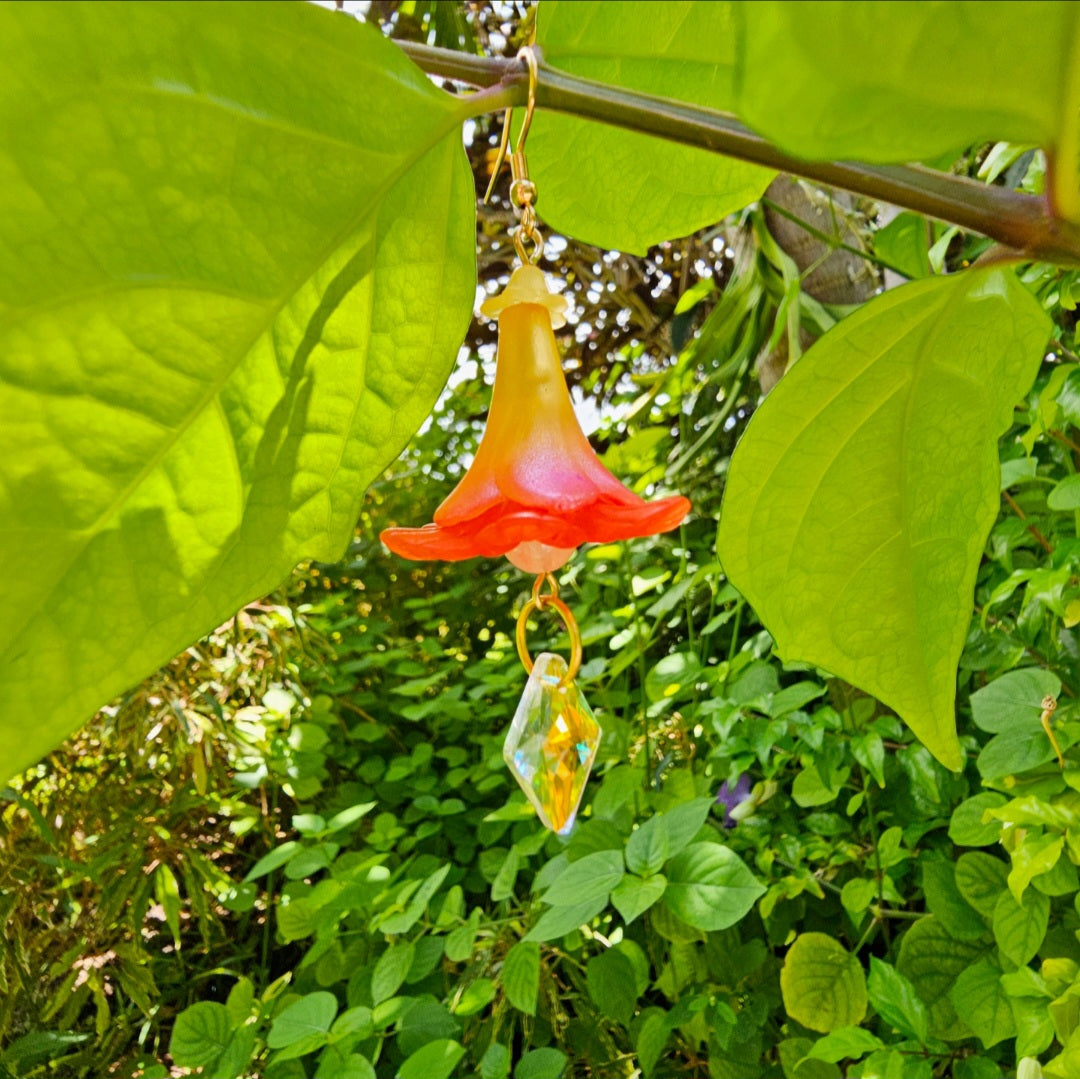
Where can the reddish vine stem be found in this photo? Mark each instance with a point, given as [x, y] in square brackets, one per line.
[1023, 223]
[1043, 541]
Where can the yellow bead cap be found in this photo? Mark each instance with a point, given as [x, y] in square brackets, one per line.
[527, 285]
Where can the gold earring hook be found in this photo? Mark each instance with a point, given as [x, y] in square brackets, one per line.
[528, 54]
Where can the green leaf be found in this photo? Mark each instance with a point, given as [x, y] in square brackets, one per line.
[479, 994]
[651, 1038]
[404, 920]
[980, 879]
[545, 1063]
[391, 970]
[521, 976]
[846, 1043]
[586, 879]
[861, 495]
[894, 998]
[903, 244]
[239, 1002]
[354, 1066]
[1033, 857]
[857, 895]
[459, 942]
[979, 998]
[1034, 1027]
[795, 1064]
[1014, 701]
[931, 961]
[981, 1068]
[436, 1060]
[808, 789]
[200, 1035]
[303, 1025]
[966, 826]
[426, 1020]
[710, 887]
[238, 1053]
[672, 674]
[625, 190]
[274, 860]
[356, 1020]
[1019, 928]
[559, 921]
[823, 984]
[647, 849]
[945, 899]
[495, 1063]
[634, 896]
[683, 822]
[1065, 495]
[1014, 752]
[612, 985]
[167, 893]
[38, 1047]
[882, 83]
[235, 288]
[502, 887]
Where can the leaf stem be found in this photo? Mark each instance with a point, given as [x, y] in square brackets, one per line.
[1027, 224]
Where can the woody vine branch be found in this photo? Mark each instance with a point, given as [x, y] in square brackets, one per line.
[1025, 224]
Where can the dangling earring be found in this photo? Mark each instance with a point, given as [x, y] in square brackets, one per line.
[535, 492]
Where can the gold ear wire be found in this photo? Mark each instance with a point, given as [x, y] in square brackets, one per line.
[500, 158]
[527, 54]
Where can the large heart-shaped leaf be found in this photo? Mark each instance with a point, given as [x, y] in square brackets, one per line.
[861, 495]
[236, 262]
[620, 189]
[887, 82]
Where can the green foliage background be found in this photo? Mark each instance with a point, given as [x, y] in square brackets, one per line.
[294, 852]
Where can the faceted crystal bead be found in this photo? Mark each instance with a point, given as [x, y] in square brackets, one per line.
[552, 743]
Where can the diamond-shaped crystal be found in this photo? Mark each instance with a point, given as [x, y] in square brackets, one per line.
[552, 743]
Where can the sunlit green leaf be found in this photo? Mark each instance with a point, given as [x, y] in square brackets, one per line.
[521, 976]
[979, 998]
[634, 896]
[436, 1060]
[200, 1034]
[859, 499]
[967, 827]
[823, 984]
[931, 961]
[391, 970]
[647, 849]
[546, 1063]
[587, 878]
[617, 188]
[894, 998]
[558, 921]
[981, 878]
[944, 899]
[1019, 928]
[233, 287]
[1014, 701]
[611, 984]
[304, 1022]
[881, 82]
[710, 887]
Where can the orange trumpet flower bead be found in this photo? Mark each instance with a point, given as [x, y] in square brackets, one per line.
[536, 490]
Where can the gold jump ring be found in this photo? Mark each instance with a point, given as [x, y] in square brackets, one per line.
[541, 601]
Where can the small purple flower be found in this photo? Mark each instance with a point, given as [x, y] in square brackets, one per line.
[732, 796]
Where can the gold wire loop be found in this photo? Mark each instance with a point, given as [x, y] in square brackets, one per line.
[542, 601]
[522, 189]
[528, 54]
